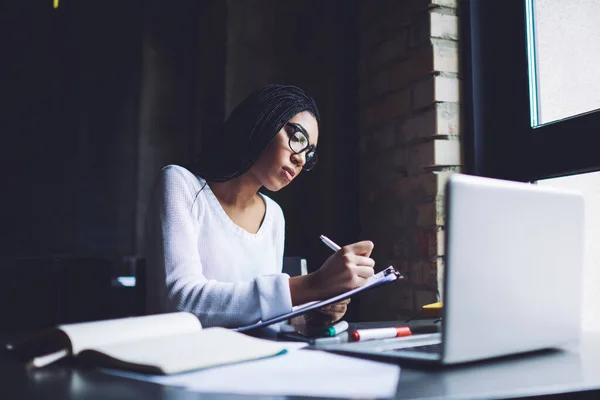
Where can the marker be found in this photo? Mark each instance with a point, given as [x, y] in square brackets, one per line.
[333, 330]
[437, 305]
[330, 243]
[380, 333]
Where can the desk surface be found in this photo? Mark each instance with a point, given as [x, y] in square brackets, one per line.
[543, 373]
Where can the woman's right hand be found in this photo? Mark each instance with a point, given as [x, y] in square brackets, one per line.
[345, 270]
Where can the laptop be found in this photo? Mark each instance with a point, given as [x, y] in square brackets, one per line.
[512, 277]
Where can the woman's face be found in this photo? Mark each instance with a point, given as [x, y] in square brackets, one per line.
[278, 165]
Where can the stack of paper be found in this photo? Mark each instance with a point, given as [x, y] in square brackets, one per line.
[296, 373]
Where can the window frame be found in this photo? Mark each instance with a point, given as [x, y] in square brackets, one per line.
[499, 141]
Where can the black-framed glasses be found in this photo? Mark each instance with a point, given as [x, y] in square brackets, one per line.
[299, 143]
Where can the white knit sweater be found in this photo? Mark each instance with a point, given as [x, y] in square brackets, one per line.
[200, 261]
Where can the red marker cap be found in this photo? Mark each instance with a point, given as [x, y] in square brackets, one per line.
[403, 331]
[355, 336]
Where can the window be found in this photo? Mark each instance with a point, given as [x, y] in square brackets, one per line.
[498, 61]
[563, 79]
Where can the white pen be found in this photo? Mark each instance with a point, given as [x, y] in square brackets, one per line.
[330, 243]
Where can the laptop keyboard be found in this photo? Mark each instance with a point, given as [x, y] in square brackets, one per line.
[430, 348]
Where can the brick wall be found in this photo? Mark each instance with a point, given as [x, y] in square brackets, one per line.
[410, 143]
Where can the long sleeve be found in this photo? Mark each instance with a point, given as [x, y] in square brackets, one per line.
[192, 246]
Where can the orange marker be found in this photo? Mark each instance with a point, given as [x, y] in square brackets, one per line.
[381, 333]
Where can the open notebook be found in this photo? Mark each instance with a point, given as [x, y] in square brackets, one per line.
[387, 275]
[155, 344]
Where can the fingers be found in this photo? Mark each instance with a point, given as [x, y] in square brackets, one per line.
[363, 261]
[327, 315]
[361, 266]
[345, 270]
[363, 272]
[336, 307]
[331, 313]
[363, 248]
[316, 319]
[353, 259]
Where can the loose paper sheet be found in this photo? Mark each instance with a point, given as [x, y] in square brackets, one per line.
[296, 373]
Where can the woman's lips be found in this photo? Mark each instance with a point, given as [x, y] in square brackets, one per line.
[288, 173]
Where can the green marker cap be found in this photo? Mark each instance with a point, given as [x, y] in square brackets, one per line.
[336, 329]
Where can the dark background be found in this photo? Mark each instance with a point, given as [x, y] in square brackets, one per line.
[97, 96]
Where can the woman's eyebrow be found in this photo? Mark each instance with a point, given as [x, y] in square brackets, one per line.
[303, 130]
[288, 128]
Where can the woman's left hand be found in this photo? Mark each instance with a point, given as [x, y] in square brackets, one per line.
[328, 314]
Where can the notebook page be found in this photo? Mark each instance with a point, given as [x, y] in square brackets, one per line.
[90, 335]
[185, 352]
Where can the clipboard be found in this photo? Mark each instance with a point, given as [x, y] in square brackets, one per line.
[381, 278]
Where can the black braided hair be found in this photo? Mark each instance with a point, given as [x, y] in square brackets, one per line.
[249, 129]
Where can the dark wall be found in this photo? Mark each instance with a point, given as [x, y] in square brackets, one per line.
[182, 90]
[98, 96]
[98, 100]
[70, 112]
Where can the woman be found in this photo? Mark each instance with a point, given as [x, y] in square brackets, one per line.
[215, 244]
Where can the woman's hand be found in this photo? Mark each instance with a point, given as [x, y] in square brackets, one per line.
[345, 270]
[327, 315]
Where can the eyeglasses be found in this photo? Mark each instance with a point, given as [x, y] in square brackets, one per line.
[299, 143]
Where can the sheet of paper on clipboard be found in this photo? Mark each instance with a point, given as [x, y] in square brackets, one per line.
[381, 278]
